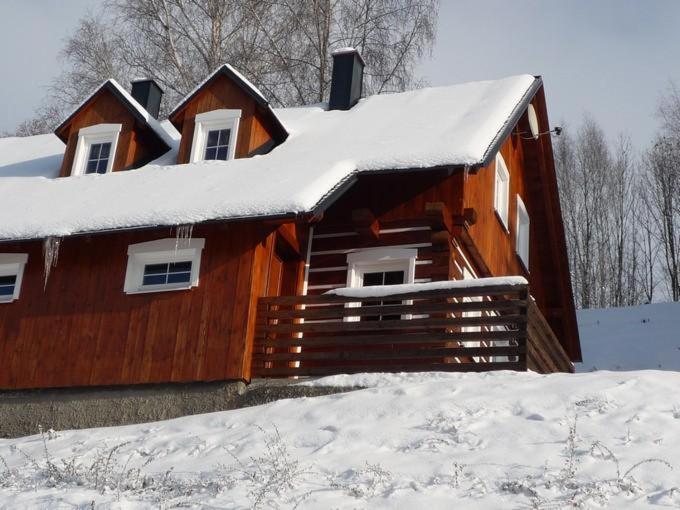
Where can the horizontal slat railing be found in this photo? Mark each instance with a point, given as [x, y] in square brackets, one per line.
[473, 328]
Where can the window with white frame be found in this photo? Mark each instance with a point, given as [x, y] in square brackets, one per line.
[523, 225]
[215, 134]
[502, 190]
[96, 149]
[162, 265]
[381, 266]
[11, 274]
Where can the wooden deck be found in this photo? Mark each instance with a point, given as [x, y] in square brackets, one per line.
[472, 329]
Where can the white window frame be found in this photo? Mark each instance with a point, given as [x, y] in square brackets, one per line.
[212, 120]
[380, 259]
[88, 136]
[159, 252]
[523, 233]
[12, 264]
[501, 200]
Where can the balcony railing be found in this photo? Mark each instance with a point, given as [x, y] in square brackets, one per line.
[461, 326]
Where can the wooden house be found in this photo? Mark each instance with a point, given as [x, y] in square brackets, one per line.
[411, 231]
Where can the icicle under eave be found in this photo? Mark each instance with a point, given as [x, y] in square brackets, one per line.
[183, 235]
[50, 256]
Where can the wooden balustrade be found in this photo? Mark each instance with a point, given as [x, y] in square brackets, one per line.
[474, 328]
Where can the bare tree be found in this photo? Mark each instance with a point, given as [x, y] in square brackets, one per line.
[663, 200]
[283, 46]
[598, 191]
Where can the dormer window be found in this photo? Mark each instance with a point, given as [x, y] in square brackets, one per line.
[215, 135]
[11, 274]
[96, 149]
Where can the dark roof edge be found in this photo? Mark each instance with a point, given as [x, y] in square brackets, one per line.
[245, 86]
[124, 101]
[509, 124]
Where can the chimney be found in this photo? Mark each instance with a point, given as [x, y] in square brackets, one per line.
[147, 93]
[347, 80]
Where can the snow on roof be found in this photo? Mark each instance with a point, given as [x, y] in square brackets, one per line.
[442, 126]
[31, 156]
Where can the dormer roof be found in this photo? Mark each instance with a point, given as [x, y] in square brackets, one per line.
[137, 111]
[280, 132]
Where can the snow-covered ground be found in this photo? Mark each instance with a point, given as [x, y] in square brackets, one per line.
[493, 440]
[630, 338]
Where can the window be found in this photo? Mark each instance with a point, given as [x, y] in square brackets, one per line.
[382, 266]
[217, 146]
[99, 158]
[215, 135]
[165, 264]
[11, 274]
[96, 149]
[502, 190]
[522, 240]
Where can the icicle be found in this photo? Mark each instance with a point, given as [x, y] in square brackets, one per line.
[50, 255]
[183, 235]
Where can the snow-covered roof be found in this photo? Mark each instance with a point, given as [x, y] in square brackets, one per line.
[137, 109]
[31, 156]
[432, 127]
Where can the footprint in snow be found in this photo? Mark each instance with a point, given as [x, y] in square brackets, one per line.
[535, 417]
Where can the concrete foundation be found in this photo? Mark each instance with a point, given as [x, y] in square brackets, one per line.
[23, 412]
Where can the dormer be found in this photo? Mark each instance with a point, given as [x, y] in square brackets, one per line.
[225, 117]
[111, 131]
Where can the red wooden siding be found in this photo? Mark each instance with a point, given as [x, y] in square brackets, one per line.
[137, 145]
[83, 330]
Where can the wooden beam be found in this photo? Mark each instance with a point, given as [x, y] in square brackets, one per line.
[287, 242]
[438, 216]
[365, 223]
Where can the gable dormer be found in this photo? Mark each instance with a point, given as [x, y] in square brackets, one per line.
[111, 131]
[225, 117]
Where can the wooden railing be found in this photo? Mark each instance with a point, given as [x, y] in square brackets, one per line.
[480, 327]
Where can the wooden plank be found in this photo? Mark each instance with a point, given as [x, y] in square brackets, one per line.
[416, 367]
[419, 308]
[396, 324]
[398, 338]
[441, 352]
[489, 290]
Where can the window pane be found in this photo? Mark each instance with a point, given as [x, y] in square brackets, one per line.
[394, 277]
[224, 136]
[6, 290]
[210, 154]
[8, 280]
[213, 138]
[371, 279]
[101, 167]
[105, 149]
[180, 267]
[91, 167]
[179, 277]
[94, 150]
[222, 153]
[155, 269]
[154, 279]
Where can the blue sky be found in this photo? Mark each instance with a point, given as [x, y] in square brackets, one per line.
[611, 58]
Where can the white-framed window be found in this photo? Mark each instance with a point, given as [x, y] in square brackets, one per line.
[381, 266]
[502, 190]
[523, 227]
[215, 134]
[96, 149]
[162, 265]
[11, 273]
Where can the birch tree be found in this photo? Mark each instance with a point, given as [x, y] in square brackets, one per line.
[283, 46]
